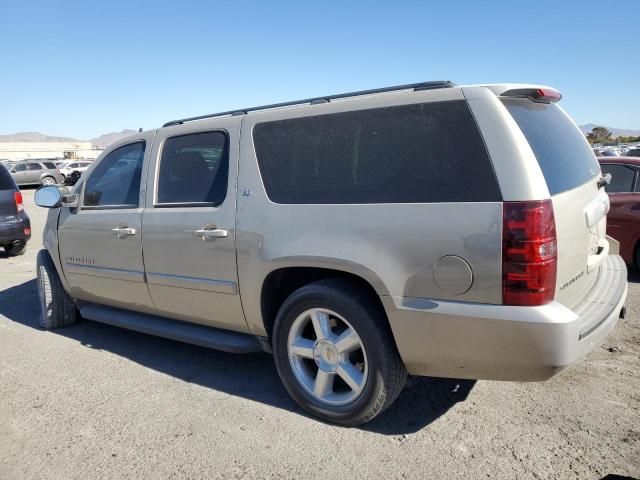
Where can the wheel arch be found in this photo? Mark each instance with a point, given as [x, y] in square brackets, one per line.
[283, 281]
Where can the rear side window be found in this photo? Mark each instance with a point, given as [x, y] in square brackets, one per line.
[420, 153]
[115, 182]
[35, 166]
[622, 178]
[565, 158]
[6, 180]
[194, 169]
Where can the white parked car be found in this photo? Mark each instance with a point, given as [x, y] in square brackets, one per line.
[74, 170]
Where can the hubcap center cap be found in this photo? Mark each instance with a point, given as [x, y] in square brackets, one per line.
[326, 356]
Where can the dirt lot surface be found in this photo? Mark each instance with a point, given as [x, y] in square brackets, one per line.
[92, 401]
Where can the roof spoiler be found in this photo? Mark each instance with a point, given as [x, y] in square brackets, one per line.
[539, 95]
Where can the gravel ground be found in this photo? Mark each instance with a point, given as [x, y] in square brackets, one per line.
[92, 401]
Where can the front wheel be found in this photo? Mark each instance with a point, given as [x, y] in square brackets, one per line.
[335, 352]
[48, 181]
[58, 309]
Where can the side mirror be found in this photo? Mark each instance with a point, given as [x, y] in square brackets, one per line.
[52, 196]
[48, 197]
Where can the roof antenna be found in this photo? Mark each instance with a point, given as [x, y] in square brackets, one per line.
[140, 130]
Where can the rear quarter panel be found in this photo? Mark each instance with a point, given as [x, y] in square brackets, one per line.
[392, 246]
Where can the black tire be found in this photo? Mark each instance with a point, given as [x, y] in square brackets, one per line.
[15, 249]
[387, 374]
[74, 177]
[58, 309]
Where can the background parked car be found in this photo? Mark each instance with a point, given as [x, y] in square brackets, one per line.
[634, 152]
[15, 226]
[74, 170]
[36, 173]
[623, 221]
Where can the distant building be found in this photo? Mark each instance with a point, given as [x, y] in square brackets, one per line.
[27, 150]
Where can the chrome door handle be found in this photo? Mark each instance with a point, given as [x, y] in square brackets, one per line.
[211, 232]
[123, 232]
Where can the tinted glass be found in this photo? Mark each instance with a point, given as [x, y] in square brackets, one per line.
[194, 169]
[6, 180]
[49, 165]
[115, 182]
[35, 166]
[634, 153]
[73, 165]
[419, 153]
[563, 153]
[622, 178]
[21, 167]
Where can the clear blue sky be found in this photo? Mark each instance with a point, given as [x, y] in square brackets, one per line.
[83, 68]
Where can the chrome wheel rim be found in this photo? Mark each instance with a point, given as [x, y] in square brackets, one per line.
[327, 357]
[48, 181]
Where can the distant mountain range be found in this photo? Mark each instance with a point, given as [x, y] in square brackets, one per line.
[102, 141]
[615, 132]
[108, 138]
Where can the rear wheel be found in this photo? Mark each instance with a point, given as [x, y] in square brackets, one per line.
[48, 181]
[58, 309]
[16, 248]
[335, 353]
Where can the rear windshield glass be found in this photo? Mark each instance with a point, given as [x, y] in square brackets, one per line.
[421, 153]
[6, 180]
[563, 153]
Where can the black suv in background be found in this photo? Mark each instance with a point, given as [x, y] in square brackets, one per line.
[15, 226]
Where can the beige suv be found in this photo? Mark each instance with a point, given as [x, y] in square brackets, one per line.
[429, 229]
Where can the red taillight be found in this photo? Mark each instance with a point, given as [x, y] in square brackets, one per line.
[18, 198]
[529, 253]
[541, 95]
[548, 94]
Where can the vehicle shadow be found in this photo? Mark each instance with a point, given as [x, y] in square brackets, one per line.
[613, 476]
[251, 376]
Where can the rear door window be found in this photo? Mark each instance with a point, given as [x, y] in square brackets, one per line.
[622, 178]
[35, 166]
[194, 170]
[565, 158]
[420, 153]
[49, 165]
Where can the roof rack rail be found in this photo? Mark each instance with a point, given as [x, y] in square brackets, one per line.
[324, 99]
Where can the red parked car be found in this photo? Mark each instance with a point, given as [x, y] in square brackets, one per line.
[623, 221]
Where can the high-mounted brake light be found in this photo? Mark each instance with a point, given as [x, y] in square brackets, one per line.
[541, 95]
[529, 253]
[18, 198]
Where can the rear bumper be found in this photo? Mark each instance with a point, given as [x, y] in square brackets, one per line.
[13, 229]
[498, 342]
